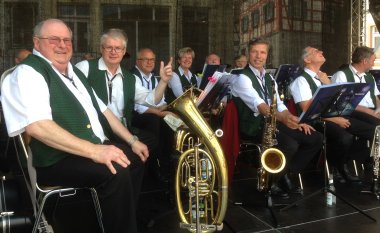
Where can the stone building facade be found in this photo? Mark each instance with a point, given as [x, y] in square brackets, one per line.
[221, 26]
[291, 25]
[163, 25]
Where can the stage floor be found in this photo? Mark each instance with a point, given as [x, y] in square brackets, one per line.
[156, 214]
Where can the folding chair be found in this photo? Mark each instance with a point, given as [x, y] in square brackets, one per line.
[44, 193]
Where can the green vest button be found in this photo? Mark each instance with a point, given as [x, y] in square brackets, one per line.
[88, 126]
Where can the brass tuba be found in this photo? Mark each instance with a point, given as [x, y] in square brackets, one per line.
[201, 184]
[272, 159]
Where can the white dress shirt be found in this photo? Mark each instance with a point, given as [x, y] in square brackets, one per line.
[340, 77]
[300, 88]
[242, 88]
[142, 95]
[147, 84]
[26, 99]
[176, 85]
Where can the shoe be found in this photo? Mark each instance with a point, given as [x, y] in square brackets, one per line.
[276, 191]
[338, 177]
[286, 184]
[346, 174]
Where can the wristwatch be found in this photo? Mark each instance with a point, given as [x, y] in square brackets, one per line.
[132, 140]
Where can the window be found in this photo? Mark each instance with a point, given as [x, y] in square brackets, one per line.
[78, 19]
[20, 19]
[146, 26]
[195, 34]
[255, 16]
[269, 11]
[297, 9]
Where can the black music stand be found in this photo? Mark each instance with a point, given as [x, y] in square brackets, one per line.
[331, 101]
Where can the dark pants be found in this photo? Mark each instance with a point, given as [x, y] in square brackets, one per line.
[298, 147]
[117, 193]
[162, 134]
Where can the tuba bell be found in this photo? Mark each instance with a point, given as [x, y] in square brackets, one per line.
[201, 185]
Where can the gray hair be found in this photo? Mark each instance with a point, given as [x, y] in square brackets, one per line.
[37, 29]
[184, 50]
[304, 54]
[361, 53]
[115, 33]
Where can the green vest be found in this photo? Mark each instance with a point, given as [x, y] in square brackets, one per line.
[368, 79]
[153, 79]
[67, 112]
[169, 95]
[97, 80]
[249, 124]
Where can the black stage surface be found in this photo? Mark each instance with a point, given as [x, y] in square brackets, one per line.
[157, 214]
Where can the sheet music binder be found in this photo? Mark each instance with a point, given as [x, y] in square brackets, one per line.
[338, 99]
[216, 89]
[208, 71]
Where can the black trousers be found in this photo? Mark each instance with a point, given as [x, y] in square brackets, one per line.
[117, 193]
[162, 135]
[298, 148]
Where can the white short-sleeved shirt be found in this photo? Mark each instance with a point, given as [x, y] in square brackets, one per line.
[26, 99]
[340, 77]
[300, 88]
[142, 95]
[176, 85]
[147, 84]
[242, 88]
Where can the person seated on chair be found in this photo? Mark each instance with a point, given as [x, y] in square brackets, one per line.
[363, 59]
[182, 79]
[151, 118]
[340, 130]
[72, 131]
[117, 87]
[212, 59]
[240, 61]
[252, 94]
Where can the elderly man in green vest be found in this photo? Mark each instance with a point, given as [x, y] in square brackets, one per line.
[117, 86]
[340, 131]
[253, 94]
[363, 59]
[71, 129]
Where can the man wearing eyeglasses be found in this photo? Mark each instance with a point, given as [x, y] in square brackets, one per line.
[150, 118]
[117, 87]
[72, 131]
[339, 131]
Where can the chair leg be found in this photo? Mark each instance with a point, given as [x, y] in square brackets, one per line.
[38, 224]
[300, 180]
[98, 210]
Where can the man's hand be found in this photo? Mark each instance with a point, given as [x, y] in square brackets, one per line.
[307, 129]
[166, 72]
[341, 121]
[141, 150]
[106, 154]
[323, 78]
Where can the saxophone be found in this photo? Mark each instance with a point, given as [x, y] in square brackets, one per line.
[272, 159]
[201, 184]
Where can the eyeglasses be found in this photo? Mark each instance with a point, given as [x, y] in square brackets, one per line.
[116, 49]
[147, 59]
[56, 40]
